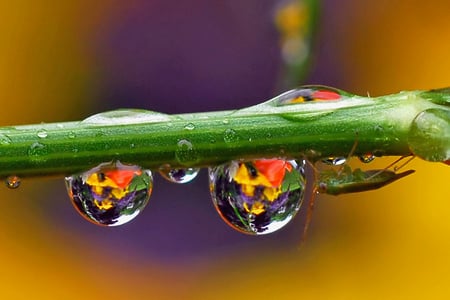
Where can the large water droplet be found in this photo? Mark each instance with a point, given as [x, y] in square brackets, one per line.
[185, 152]
[260, 196]
[42, 133]
[110, 194]
[184, 175]
[12, 182]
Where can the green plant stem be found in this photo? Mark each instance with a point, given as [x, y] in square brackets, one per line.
[381, 125]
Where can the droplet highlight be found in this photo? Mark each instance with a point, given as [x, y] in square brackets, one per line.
[260, 196]
[12, 182]
[110, 194]
[183, 175]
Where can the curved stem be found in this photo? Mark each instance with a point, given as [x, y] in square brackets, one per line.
[315, 129]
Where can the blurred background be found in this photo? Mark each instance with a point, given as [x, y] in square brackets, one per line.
[66, 60]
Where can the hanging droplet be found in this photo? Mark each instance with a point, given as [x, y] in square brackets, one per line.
[259, 196]
[12, 182]
[309, 93]
[335, 161]
[179, 175]
[367, 158]
[110, 194]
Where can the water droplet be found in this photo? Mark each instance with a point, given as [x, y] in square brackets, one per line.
[37, 152]
[185, 152]
[429, 135]
[4, 140]
[230, 136]
[42, 133]
[126, 116]
[189, 126]
[225, 121]
[335, 161]
[179, 175]
[12, 182]
[110, 194]
[259, 196]
[71, 135]
[367, 158]
[309, 93]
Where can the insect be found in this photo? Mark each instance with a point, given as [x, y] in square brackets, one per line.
[345, 181]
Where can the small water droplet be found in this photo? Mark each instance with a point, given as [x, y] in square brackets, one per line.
[259, 196]
[42, 133]
[184, 175]
[132, 145]
[335, 161]
[71, 135]
[12, 182]
[110, 194]
[367, 158]
[185, 152]
[37, 152]
[4, 140]
[230, 136]
[225, 121]
[189, 126]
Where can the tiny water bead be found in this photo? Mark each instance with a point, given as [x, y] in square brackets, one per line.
[334, 161]
[367, 158]
[260, 196]
[110, 194]
[12, 182]
[309, 94]
[179, 175]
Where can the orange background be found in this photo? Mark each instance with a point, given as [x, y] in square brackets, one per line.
[392, 243]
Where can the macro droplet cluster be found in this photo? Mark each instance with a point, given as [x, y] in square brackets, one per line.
[256, 197]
